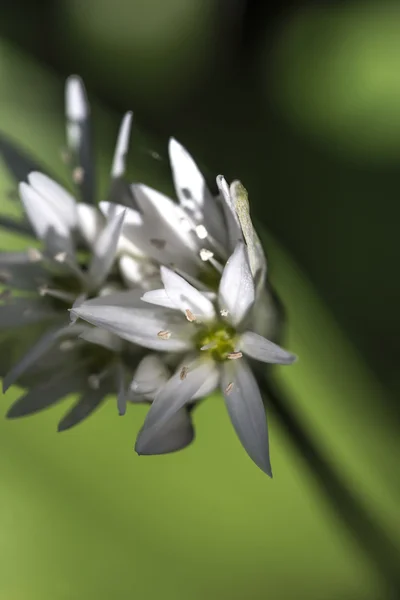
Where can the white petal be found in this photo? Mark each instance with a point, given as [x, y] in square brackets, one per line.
[44, 218]
[138, 272]
[184, 296]
[57, 197]
[97, 336]
[150, 375]
[236, 288]
[42, 346]
[209, 385]
[104, 251]
[90, 222]
[260, 348]
[158, 297]
[193, 192]
[167, 234]
[172, 397]
[257, 260]
[246, 410]
[175, 434]
[132, 217]
[234, 230]
[139, 325]
[118, 166]
[76, 104]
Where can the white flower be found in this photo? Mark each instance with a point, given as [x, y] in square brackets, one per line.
[213, 334]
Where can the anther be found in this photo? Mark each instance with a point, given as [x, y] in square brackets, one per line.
[183, 373]
[190, 316]
[234, 355]
[164, 335]
[229, 388]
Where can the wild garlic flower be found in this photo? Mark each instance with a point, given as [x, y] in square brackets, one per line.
[212, 334]
[76, 261]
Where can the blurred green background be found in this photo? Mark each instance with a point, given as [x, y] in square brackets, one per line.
[302, 103]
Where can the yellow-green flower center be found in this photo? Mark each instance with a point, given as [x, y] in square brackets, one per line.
[218, 340]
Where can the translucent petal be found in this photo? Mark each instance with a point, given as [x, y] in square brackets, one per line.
[193, 193]
[56, 196]
[173, 396]
[44, 217]
[43, 396]
[42, 346]
[186, 297]
[90, 222]
[143, 326]
[246, 410]
[121, 149]
[89, 401]
[236, 288]
[150, 375]
[234, 231]
[260, 348]
[174, 435]
[104, 251]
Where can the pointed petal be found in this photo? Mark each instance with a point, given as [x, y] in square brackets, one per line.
[139, 325]
[166, 234]
[89, 401]
[138, 272]
[90, 222]
[78, 136]
[149, 377]
[158, 297]
[209, 385]
[43, 396]
[193, 192]
[184, 296]
[174, 435]
[236, 288]
[260, 348]
[257, 260]
[246, 410]
[104, 251]
[103, 338]
[76, 104]
[43, 216]
[172, 397]
[36, 352]
[56, 197]
[121, 149]
[234, 231]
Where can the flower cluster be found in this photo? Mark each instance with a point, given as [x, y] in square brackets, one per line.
[151, 299]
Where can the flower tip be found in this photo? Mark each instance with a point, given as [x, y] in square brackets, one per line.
[75, 99]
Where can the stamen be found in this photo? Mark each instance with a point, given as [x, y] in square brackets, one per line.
[78, 175]
[206, 254]
[164, 335]
[224, 312]
[190, 316]
[201, 231]
[234, 355]
[183, 373]
[60, 257]
[229, 388]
